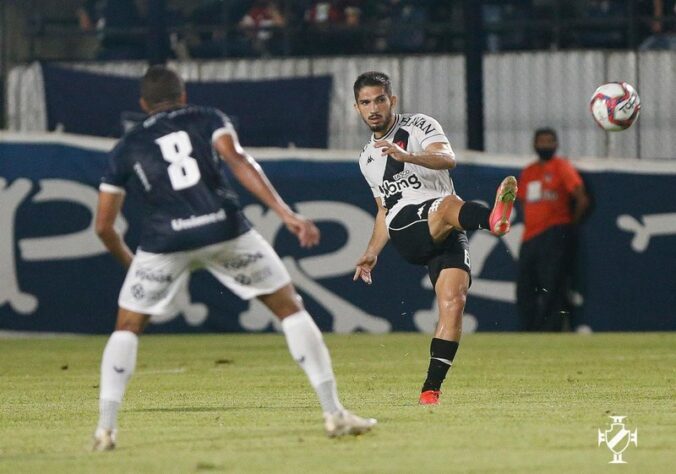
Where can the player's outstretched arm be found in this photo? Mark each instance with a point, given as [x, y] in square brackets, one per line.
[436, 156]
[106, 213]
[379, 238]
[253, 178]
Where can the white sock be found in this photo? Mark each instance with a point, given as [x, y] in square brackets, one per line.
[108, 414]
[117, 367]
[309, 351]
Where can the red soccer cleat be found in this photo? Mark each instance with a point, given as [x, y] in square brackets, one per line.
[429, 397]
[504, 202]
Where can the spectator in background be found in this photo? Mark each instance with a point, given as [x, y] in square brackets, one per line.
[553, 201]
[215, 29]
[321, 13]
[236, 28]
[114, 22]
[447, 23]
[407, 31]
[352, 16]
[550, 15]
[662, 26]
[261, 26]
[351, 36]
[400, 25]
[332, 27]
[609, 32]
[504, 21]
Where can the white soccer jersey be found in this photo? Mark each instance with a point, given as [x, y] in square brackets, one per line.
[401, 184]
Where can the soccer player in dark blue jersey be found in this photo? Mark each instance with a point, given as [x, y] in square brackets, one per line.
[192, 220]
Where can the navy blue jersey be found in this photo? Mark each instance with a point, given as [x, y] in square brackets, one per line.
[187, 198]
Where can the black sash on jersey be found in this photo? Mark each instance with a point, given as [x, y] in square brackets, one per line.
[394, 167]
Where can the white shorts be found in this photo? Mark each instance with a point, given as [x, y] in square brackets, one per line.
[247, 265]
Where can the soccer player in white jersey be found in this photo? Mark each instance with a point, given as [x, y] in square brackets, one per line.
[406, 163]
[193, 219]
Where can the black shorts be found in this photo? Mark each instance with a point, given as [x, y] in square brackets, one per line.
[410, 235]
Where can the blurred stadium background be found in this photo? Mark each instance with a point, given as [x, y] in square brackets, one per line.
[491, 72]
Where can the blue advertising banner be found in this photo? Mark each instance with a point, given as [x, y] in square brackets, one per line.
[56, 276]
[290, 108]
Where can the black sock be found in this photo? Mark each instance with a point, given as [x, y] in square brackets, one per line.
[439, 349]
[473, 216]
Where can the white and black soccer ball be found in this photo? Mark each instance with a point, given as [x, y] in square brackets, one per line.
[615, 106]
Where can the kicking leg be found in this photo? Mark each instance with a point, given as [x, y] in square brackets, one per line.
[451, 290]
[307, 347]
[117, 367]
[452, 212]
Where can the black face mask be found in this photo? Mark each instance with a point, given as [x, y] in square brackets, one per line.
[545, 154]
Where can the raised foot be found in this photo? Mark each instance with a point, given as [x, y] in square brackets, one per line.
[504, 203]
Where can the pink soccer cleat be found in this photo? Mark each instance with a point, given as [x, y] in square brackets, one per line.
[429, 397]
[504, 202]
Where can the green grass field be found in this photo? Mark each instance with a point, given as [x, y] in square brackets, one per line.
[238, 403]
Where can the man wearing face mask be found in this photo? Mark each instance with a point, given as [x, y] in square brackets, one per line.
[553, 201]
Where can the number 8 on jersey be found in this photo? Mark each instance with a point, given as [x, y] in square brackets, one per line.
[183, 169]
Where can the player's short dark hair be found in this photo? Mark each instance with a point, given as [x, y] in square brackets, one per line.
[161, 84]
[372, 78]
[545, 131]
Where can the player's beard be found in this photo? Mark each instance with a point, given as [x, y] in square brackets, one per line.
[382, 127]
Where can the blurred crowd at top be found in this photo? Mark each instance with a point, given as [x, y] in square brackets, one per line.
[264, 28]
